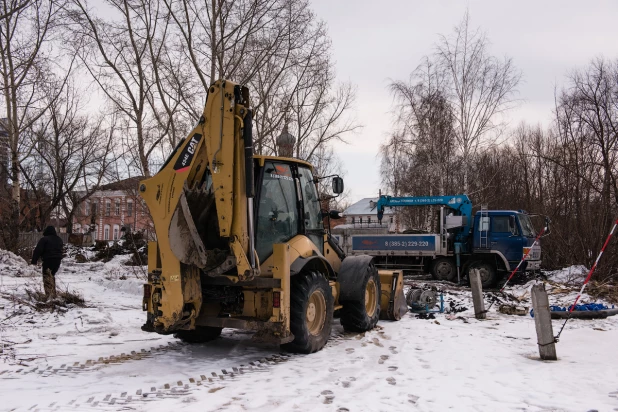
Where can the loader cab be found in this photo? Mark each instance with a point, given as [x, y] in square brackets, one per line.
[286, 205]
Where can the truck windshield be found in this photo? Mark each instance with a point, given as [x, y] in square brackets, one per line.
[526, 226]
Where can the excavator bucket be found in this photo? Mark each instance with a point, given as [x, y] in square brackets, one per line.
[185, 240]
[392, 300]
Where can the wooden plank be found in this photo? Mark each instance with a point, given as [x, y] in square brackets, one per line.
[542, 321]
[477, 294]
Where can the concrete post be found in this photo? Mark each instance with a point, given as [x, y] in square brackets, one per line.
[542, 321]
[477, 294]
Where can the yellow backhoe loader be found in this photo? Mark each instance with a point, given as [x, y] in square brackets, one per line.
[241, 242]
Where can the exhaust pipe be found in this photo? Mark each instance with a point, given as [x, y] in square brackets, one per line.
[247, 135]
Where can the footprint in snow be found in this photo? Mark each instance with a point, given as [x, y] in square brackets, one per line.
[328, 396]
[384, 335]
[391, 381]
[382, 359]
[392, 368]
[343, 410]
[412, 398]
[349, 350]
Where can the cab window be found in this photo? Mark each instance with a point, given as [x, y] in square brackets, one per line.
[312, 217]
[504, 224]
[277, 216]
[500, 224]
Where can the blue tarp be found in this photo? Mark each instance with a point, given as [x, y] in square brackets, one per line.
[584, 308]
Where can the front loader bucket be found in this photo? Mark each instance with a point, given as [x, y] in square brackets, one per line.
[392, 300]
[185, 240]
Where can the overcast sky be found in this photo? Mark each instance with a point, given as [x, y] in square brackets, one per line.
[376, 41]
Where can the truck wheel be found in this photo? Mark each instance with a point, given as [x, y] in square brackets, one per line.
[362, 314]
[199, 334]
[488, 273]
[311, 312]
[444, 269]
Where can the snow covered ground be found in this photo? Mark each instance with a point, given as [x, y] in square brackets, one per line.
[97, 358]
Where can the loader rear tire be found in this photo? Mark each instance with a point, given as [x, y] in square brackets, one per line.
[199, 335]
[311, 312]
[362, 314]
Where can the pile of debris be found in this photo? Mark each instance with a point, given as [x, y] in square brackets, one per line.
[132, 243]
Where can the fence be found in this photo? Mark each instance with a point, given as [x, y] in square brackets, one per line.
[30, 239]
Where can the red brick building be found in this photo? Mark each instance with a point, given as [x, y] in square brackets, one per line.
[111, 208]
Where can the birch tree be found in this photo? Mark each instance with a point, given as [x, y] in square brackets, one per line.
[481, 87]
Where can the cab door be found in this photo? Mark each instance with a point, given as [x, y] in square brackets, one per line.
[277, 209]
[504, 237]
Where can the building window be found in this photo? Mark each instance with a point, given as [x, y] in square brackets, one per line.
[361, 220]
[108, 209]
[96, 232]
[117, 207]
[93, 207]
[368, 219]
[116, 231]
[391, 219]
[129, 208]
[353, 221]
[106, 232]
[86, 208]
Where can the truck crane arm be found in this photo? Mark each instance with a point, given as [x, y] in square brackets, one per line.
[459, 203]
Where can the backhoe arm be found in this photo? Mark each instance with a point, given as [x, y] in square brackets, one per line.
[199, 205]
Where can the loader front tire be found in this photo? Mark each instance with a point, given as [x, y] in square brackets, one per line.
[311, 312]
[362, 313]
[199, 335]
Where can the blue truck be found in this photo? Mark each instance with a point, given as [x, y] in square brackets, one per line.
[493, 241]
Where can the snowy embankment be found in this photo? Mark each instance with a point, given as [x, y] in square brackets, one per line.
[98, 358]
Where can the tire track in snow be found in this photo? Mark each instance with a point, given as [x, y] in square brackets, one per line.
[175, 388]
[89, 365]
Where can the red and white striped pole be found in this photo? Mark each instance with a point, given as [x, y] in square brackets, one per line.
[581, 291]
[524, 257]
[594, 266]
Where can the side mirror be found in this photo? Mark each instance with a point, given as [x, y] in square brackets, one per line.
[337, 185]
[334, 214]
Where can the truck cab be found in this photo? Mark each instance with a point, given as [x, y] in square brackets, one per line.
[508, 234]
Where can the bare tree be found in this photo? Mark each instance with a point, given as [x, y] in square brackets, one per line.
[122, 54]
[480, 87]
[27, 32]
[281, 51]
[70, 150]
[425, 123]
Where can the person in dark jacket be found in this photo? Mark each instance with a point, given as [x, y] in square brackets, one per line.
[49, 249]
